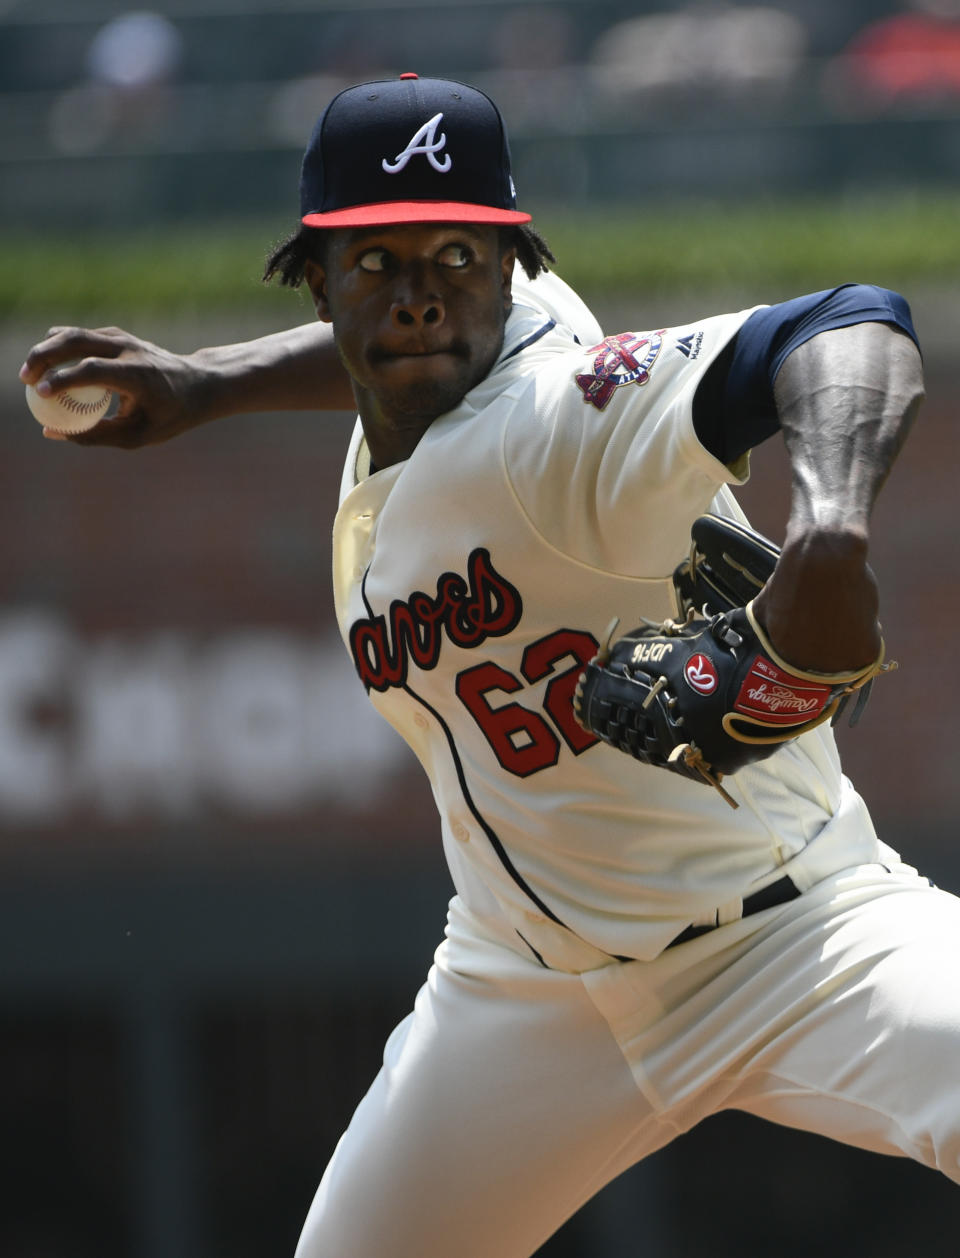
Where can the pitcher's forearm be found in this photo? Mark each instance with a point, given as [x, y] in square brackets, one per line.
[297, 369]
[846, 401]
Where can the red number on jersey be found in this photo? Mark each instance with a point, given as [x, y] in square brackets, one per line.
[521, 738]
[539, 659]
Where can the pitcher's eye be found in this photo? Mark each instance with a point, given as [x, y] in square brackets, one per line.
[454, 256]
[373, 260]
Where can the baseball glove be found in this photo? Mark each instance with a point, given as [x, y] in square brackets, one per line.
[728, 565]
[707, 695]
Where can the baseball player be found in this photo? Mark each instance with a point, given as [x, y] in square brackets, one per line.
[625, 953]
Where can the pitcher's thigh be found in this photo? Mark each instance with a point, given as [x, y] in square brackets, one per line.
[871, 1056]
[500, 1109]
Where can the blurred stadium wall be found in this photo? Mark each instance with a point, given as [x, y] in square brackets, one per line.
[221, 876]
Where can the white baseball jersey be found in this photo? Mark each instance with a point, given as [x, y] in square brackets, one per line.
[473, 581]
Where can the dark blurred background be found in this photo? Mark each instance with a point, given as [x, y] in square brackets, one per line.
[220, 875]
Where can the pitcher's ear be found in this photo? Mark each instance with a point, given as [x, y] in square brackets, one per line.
[507, 263]
[316, 278]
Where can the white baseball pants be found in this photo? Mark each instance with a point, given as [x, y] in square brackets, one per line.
[512, 1093]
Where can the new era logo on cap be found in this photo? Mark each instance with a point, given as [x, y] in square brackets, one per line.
[408, 150]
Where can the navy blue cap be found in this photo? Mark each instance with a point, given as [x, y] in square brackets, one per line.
[408, 150]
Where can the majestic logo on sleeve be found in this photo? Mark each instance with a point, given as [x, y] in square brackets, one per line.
[465, 610]
[619, 360]
[423, 143]
[690, 346]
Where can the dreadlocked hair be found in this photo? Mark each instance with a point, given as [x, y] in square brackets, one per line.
[288, 259]
[533, 252]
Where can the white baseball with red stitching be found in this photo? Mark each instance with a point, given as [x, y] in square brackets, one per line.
[73, 410]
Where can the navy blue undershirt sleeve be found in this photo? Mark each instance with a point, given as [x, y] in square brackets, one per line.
[734, 407]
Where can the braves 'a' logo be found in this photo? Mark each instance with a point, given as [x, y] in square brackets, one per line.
[423, 143]
[618, 360]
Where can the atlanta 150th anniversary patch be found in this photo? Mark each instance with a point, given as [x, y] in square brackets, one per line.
[618, 360]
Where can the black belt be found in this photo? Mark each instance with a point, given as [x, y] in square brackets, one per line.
[769, 897]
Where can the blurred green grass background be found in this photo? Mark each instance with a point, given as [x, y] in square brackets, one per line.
[779, 247]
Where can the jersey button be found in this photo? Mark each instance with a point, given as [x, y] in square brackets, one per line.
[535, 919]
[420, 720]
[461, 833]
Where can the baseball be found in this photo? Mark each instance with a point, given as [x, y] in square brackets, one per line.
[74, 410]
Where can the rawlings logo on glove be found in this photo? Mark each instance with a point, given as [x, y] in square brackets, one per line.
[706, 695]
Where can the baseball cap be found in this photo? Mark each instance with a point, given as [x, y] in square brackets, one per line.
[408, 150]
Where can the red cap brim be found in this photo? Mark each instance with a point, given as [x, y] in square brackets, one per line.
[384, 213]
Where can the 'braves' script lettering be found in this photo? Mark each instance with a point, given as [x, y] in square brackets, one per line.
[484, 605]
